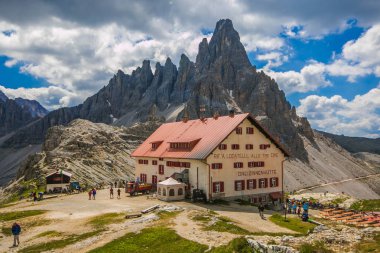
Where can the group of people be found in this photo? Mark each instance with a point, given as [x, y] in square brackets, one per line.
[34, 196]
[300, 207]
[111, 192]
[92, 193]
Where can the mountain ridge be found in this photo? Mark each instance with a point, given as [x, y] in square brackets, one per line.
[17, 113]
[356, 144]
[221, 79]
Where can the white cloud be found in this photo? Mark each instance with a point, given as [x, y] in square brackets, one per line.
[310, 78]
[81, 60]
[356, 117]
[359, 58]
[50, 97]
[274, 59]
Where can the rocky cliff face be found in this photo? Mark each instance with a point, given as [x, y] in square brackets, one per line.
[221, 79]
[94, 153]
[16, 113]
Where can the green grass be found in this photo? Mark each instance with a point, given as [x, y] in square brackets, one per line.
[58, 244]
[6, 230]
[369, 245]
[295, 224]
[201, 218]
[19, 214]
[164, 215]
[316, 247]
[155, 239]
[238, 245]
[101, 221]
[224, 224]
[50, 233]
[367, 205]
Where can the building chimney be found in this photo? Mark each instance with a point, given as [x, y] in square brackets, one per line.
[232, 113]
[185, 117]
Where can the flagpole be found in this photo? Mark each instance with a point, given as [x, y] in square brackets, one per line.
[61, 181]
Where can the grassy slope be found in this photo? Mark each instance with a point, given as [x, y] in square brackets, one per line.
[157, 239]
[295, 224]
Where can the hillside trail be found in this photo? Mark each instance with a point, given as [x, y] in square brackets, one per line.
[334, 183]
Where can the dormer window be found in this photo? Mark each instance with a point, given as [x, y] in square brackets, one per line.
[187, 145]
[180, 145]
[155, 144]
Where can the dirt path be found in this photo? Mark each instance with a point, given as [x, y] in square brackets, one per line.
[336, 182]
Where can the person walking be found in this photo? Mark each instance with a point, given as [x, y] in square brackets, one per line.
[111, 193]
[93, 193]
[261, 210]
[16, 230]
[89, 194]
[299, 209]
[294, 208]
[118, 193]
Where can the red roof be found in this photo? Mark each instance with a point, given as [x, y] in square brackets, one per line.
[210, 132]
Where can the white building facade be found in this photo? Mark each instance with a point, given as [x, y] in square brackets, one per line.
[230, 157]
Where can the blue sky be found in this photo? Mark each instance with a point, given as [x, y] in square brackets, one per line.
[325, 56]
[322, 50]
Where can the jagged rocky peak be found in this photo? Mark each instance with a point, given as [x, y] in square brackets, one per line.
[225, 43]
[203, 56]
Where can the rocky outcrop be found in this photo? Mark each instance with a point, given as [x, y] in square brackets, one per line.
[265, 248]
[94, 153]
[16, 113]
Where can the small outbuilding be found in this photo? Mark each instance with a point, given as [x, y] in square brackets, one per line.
[170, 189]
[58, 181]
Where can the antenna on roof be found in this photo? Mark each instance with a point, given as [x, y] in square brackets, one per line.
[202, 110]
